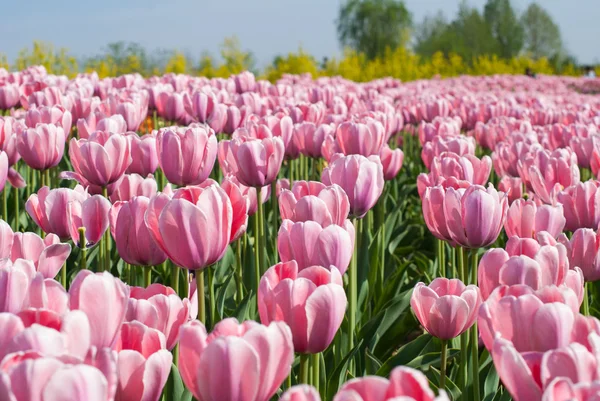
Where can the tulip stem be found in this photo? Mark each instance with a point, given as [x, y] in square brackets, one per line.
[441, 258]
[16, 206]
[260, 234]
[105, 240]
[304, 365]
[147, 276]
[275, 207]
[464, 338]
[475, 333]
[200, 292]
[443, 361]
[4, 205]
[291, 164]
[316, 364]
[256, 252]
[47, 175]
[175, 278]
[211, 294]
[238, 272]
[352, 288]
[586, 299]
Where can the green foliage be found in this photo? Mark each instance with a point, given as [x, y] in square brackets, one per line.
[541, 34]
[372, 26]
[505, 27]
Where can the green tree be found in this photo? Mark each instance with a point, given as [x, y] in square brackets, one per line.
[433, 35]
[372, 26]
[541, 34]
[505, 27]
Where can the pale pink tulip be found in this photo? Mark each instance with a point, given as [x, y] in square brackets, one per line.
[91, 214]
[42, 147]
[524, 219]
[257, 162]
[132, 185]
[312, 200]
[48, 254]
[143, 154]
[581, 204]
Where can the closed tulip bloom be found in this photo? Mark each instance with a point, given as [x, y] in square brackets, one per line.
[87, 291]
[312, 200]
[581, 204]
[187, 155]
[512, 187]
[143, 154]
[170, 106]
[49, 379]
[91, 214]
[525, 219]
[48, 209]
[235, 118]
[160, 308]
[257, 161]
[9, 96]
[239, 205]
[459, 145]
[404, 384]
[115, 124]
[301, 392]
[312, 302]
[256, 359]
[199, 105]
[391, 160]
[4, 169]
[135, 244]
[42, 147]
[176, 226]
[143, 363]
[361, 178]
[446, 308]
[309, 244]
[48, 254]
[15, 275]
[354, 138]
[133, 185]
[309, 138]
[465, 168]
[551, 172]
[249, 192]
[563, 389]
[582, 250]
[102, 159]
[475, 216]
[55, 115]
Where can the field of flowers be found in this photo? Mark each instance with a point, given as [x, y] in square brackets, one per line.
[234, 239]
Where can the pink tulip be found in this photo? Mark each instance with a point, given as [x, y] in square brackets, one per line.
[196, 150]
[312, 200]
[91, 214]
[581, 204]
[256, 359]
[309, 138]
[170, 106]
[9, 96]
[235, 118]
[132, 185]
[563, 389]
[512, 187]
[42, 147]
[550, 172]
[48, 209]
[133, 239]
[463, 168]
[257, 162]
[404, 384]
[365, 139]
[87, 291]
[244, 82]
[391, 160]
[176, 224]
[143, 362]
[248, 192]
[160, 308]
[143, 154]
[218, 117]
[239, 204]
[55, 115]
[199, 105]
[459, 145]
[301, 392]
[48, 254]
[49, 379]
[15, 275]
[446, 308]
[310, 244]
[312, 302]
[524, 219]
[361, 178]
[582, 250]
[475, 216]
[509, 155]
[115, 124]
[102, 159]
[4, 169]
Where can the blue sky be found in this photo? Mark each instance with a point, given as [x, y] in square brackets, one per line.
[266, 27]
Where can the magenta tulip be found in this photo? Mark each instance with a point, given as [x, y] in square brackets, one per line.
[199, 105]
[312, 302]
[239, 205]
[195, 149]
[9, 96]
[361, 178]
[42, 147]
[256, 359]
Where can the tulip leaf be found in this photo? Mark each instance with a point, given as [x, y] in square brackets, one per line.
[175, 390]
[338, 376]
[434, 376]
[431, 359]
[372, 363]
[406, 354]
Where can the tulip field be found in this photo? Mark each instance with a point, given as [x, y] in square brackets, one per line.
[180, 238]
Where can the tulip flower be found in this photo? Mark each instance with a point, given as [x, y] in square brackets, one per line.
[361, 178]
[512, 187]
[42, 147]
[459, 145]
[9, 96]
[132, 185]
[301, 392]
[580, 205]
[525, 219]
[91, 214]
[256, 359]
[257, 162]
[48, 254]
[314, 316]
[309, 138]
[196, 148]
[55, 115]
[199, 105]
[357, 138]
[391, 161]
[143, 154]
[312, 200]
[463, 168]
[582, 251]
[170, 106]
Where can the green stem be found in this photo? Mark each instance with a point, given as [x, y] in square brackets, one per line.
[175, 278]
[586, 300]
[200, 292]
[261, 232]
[211, 294]
[16, 206]
[440, 256]
[147, 276]
[304, 365]
[316, 364]
[464, 338]
[352, 288]
[474, 332]
[275, 222]
[238, 272]
[443, 365]
[83, 245]
[47, 175]
[292, 164]
[105, 241]
[256, 252]
[4, 205]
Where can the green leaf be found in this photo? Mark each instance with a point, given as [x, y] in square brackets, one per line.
[242, 310]
[423, 362]
[338, 376]
[405, 354]
[434, 376]
[175, 389]
[372, 363]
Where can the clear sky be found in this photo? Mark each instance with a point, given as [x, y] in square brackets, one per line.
[266, 27]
